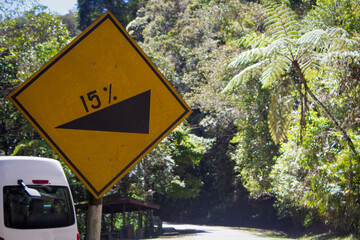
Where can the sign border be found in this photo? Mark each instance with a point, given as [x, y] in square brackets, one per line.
[13, 97]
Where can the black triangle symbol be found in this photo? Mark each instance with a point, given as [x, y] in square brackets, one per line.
[131, 116]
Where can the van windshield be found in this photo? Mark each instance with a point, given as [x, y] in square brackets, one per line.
[53, 209]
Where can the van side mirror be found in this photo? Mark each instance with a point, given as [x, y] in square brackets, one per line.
[33, 193]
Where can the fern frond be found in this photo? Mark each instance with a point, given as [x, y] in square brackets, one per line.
[279, 45]
[254, 40]
[332, 39]
[313, 38]
[342, 44]
[310, 68]
[250, 56]
[278, 125]
[281, 106]
[312, 72]
[245, 75]
[274, 70]
[261, 41]
[337, 32]
[281, 21]
[340, 41]
[326, 58]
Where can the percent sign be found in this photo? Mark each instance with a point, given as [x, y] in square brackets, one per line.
[94, 99]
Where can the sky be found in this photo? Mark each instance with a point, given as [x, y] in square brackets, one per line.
[61, 7]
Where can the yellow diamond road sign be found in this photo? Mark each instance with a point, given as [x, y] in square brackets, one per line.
[101, 104]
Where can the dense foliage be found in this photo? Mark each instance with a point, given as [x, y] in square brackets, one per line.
[274, 88]
[90, 10]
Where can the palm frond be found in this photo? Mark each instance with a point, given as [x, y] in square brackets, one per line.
[245, 75]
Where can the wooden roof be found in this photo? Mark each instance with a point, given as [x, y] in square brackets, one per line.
[117, 203]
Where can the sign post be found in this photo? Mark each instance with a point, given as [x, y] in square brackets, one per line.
[93, 225]
[101, 104]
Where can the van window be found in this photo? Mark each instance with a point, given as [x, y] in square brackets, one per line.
[53, 209]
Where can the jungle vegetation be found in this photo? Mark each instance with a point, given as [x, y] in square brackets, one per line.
[274, 136]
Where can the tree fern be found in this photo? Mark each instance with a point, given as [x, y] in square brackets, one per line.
[284, 48]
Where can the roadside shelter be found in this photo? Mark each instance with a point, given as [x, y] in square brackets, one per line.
[117, 203]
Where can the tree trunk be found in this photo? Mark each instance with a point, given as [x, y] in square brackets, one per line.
[304, 108]
[330, 117]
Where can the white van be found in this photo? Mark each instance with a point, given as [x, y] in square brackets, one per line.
[35, 200]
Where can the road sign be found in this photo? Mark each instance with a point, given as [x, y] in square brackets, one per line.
[101, 104]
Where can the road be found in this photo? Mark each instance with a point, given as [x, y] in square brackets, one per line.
[198, 232]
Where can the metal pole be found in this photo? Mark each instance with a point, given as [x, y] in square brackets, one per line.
[93, 225]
